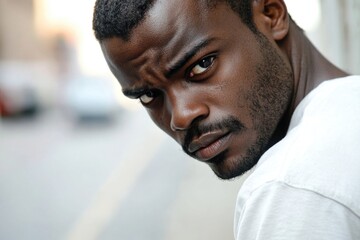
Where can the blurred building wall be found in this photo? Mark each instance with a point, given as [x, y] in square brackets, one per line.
[338, 36]
[353, 7]
[340, 33]
[18, 39]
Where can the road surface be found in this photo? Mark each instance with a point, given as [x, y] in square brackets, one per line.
[60, 179]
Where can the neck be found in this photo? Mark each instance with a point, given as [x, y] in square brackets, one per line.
[310, 67]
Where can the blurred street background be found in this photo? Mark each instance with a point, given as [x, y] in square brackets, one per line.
[78, 161]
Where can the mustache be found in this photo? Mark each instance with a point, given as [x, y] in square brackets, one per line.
[228, 124]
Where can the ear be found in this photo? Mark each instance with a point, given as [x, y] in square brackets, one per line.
[272, 17]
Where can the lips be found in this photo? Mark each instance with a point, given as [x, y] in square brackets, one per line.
[209, 144]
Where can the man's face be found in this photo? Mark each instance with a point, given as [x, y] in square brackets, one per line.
[205, 79]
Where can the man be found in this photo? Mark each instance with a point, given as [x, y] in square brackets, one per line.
[239, 86]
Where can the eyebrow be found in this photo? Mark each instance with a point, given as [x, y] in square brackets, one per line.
[136, 92]
[187, 56]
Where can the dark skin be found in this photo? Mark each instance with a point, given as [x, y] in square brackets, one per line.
[223, 92]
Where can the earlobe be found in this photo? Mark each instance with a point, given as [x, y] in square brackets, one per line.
[275, 16]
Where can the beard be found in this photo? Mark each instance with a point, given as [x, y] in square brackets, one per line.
[267, 101]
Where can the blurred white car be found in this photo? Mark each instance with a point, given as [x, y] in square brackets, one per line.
[88, 98]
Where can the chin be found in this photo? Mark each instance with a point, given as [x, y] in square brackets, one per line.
[227, 168]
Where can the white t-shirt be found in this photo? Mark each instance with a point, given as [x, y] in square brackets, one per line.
[307, 186]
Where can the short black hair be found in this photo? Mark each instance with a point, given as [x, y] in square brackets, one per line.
[117, 18]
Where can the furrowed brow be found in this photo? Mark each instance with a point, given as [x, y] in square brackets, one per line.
[186, 57]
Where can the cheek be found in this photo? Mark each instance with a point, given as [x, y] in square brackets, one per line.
[234, 83]
[161, 120]
[237, 71]
[233, 98]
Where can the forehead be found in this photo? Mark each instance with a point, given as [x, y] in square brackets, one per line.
[169, 18]
[168, 29]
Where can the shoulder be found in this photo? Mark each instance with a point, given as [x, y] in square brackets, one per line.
[281, 211]
[318, 160]
[331, 97]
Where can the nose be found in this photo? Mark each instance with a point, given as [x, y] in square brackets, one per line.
[185, 110]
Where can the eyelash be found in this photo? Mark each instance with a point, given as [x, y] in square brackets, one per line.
[153, 94]
[148, 93]
[191, 68]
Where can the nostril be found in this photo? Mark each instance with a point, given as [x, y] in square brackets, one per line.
[185, 107]
[183, 120]
[177, 125]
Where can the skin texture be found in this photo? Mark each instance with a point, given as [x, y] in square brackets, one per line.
[223, 92]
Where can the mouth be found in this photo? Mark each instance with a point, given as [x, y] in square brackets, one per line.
[209, 145]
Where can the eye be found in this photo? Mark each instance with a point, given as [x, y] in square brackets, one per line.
[202, 66]
[147, 98]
